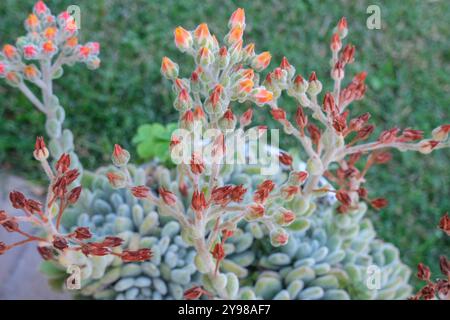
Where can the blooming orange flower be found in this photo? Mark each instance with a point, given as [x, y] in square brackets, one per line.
[50, 33]
[9, 51]
[49, 47]
[72, 42]
[32, 21]
[30, 71]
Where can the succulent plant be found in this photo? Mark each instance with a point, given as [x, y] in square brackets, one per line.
[106, 210]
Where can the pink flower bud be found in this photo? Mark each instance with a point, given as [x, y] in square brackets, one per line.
[440, 133]
[140, 192]
[120, 156]
[197, 164]
[279, 237]
[254, 211]
[285, 218]
[169, 69]
[246, 118]
[336, 43]
[342, 28]
[40, 150]
[168, 197]
[40, 8]
[30, 51]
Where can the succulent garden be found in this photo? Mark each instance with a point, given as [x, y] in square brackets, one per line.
[214, 204]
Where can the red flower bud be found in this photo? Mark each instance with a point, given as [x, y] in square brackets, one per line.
[246, 117]
[285, 158]
[60, 243]
[343, 197]
[111, 242]
[300, 118]
[365, 132]
[45, 252]
[423, 272]
[82, 233]
[379, 203]
[444, 224]
[198, 202]
[168, 197]
[315, 133]
[136, 256]
[120, 156]
[140, 192]
[40, 150]
[74, 195]
[63, 164]
[193, 293]
[10, 225]
[336, 43]
[278, 114]
[17, 199]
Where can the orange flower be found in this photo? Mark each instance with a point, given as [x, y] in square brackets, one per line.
[237, 19]
[183, 39]
[262, 96]
[261, 61]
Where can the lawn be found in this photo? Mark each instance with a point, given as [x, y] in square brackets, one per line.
[408, 64]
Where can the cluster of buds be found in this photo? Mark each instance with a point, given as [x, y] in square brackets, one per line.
[336, 136]
[439, 288]
[48, 37]
[47, 216]
[227, 74]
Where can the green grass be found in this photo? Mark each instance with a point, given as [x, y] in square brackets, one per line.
[409, 84]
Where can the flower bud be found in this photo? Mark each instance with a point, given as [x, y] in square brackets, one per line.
[228, 120]
[202, 36]
[31, 73]
[40, 9]
[63, 163]
[285, 65]
[336, 43]
[254, 211]
[289, 192]
[198, 202]
[246, 118]
[13, 78]
[32, 23]
[117, 179]
[204, 57]
[342, 27]
[82, 233]
[60, 243]
[261, 61]
[378, 203]
[441, 133]
[297, 177]
[234, 35]
[120, 156]
[30, 51]
[169, 69]
[237, 19]
[285, 218]
[262, 96]
[2, 69]
[168, 197]
[74, 195]
[10, 52]
[224, 58]
[235, 52]
[183, 39]
[40, 150]
[315, 86]
[197, 164]
[140, 192]
[184, 101]
[187, 120]
[279, 237]
[427, 146]
[248, 52]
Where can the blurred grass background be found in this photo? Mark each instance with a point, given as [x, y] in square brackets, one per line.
[408, 85]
